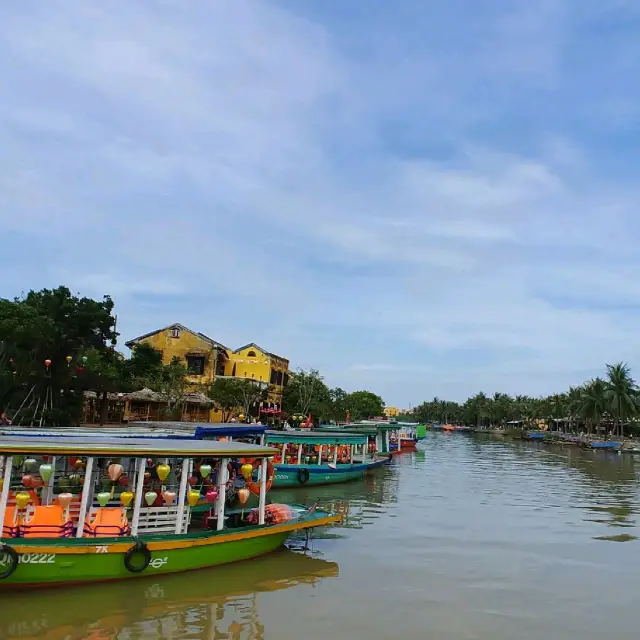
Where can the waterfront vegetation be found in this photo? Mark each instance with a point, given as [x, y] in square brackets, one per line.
[77, 337]
[611, 401]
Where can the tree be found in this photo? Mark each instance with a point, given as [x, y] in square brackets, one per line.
[621, 394]
[307, 393]
[364, 404]
[594, 403]
[252, 392]
[226, 396]
[49, 325]
[339, 404]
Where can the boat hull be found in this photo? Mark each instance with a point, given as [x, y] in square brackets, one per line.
[289, 475]
[48, 563]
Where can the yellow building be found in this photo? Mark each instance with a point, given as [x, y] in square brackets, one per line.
[391, 412]
[207, 359]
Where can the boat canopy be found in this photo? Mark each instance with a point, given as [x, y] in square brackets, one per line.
[315, 437]
[378, 426]
[133, 447]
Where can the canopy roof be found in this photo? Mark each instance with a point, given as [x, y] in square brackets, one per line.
[315, 437]
[380, 426]
[131, 447]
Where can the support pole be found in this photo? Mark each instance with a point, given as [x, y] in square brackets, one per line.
[8, 465]
[184, 476]
[140, 467]
[300, 453]
[222, 493]
[86, 492]
[263, 490]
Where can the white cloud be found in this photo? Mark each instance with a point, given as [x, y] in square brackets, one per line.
[439, 213]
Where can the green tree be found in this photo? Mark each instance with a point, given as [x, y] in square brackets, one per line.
[226, 396]
[594, 402]
[364, 404]
[622, 394]
[307, 393]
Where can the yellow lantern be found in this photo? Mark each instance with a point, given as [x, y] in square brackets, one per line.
[243, 495]
[241, 416]
[193, 497]
[247, 471]
[22, 499]
[163, 471]
[125, 498]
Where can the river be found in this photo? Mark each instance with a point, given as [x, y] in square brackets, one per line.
[469, 538]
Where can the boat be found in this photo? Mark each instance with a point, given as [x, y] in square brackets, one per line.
[382, 435]
[79, 511]
[608, 445]
[321, 457]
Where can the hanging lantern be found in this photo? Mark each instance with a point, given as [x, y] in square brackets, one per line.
[150, 497]
[115, 471]
[27, 480]
[79, 464]
[103, 498]
[123, 480]
[241, 416]
[22, 499]
[193, 481]
[64, 499]
[247, 471]
[193, 497]
[147, 476]
[84, 359]
[211, 496]
[75, 480]
[243, 495]
[68, 359]
[64, 482]
[169, 497]
[37, 482]
[29, 465]
[163, 471]
[205, 470]
[125, 498]
[47, 363]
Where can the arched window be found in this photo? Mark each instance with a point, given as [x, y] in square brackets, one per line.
[251, 354]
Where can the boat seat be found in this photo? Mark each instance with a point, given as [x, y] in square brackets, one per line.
[46, 522]
[106, 522]
[10, 526]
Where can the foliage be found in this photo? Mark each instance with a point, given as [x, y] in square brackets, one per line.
[225, 395]
[364, 404]
[307, 393]
[584, 406]
[172, 385]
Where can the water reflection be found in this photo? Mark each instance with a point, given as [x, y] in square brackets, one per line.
[217, 604]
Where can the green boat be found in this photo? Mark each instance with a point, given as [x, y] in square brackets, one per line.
[322, 457]
[132, 515]
[382, 436]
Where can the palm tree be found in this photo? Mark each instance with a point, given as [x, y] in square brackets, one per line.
[593, 402]
[622, 394]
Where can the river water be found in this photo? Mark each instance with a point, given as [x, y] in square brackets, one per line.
[469, 538]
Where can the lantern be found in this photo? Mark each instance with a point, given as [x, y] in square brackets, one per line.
[123, 480]
[241, 416]
[18, 460]
[163, 471]
[193, 481]
[169, 497]
[103, 498]
[247, 471]
[47, 363]
[211, 496]
[29, 465]
[37, 482]
[64, 500]
[243, 495]
[150, 497]
[68, 359]
[125, 498]
[27, 480]
[205, 470]
[22, 499]
[78, 464]
[84, 359]
[115, 471]
[147, 476]
[75, 479]
[193, 497]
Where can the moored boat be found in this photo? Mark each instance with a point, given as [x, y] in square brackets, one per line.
[324, 456]
[78, 511]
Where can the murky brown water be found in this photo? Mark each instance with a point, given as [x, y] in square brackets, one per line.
[469, 538]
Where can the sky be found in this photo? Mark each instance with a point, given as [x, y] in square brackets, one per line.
[419, 198]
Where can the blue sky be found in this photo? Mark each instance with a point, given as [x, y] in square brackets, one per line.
[415, 197]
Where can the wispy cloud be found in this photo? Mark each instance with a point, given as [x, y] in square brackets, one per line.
[450, 203]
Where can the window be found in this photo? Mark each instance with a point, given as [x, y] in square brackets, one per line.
[274, 376]
[175, 332]
[251, 354]
[195, 364]
[285, 379]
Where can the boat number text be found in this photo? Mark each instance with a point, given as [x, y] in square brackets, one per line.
[30, 558]
[156, 563]
[102, 549]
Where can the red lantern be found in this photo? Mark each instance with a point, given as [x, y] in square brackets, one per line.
[47, 363]
[123, 481]
[193, 481]
[27, 481]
